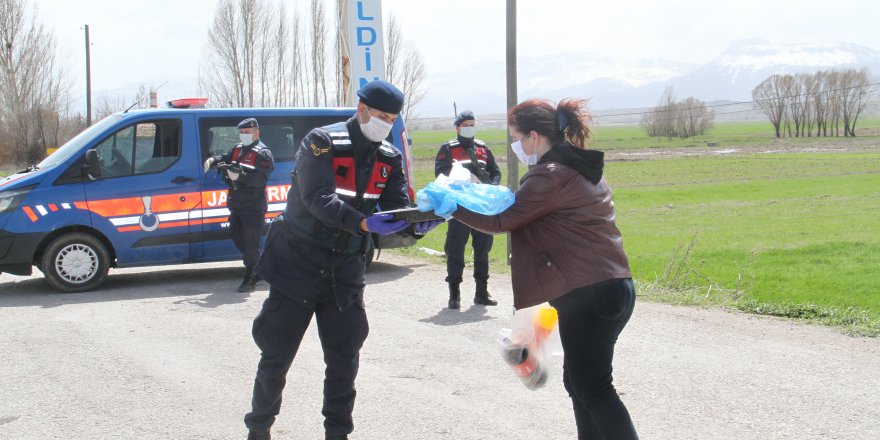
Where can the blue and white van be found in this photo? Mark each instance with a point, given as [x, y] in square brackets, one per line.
[130, 191]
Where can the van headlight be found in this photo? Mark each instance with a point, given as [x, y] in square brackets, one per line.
[10, 199]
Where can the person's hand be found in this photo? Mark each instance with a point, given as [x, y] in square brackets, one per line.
[384, 224]
[422, 228]
[208, 163]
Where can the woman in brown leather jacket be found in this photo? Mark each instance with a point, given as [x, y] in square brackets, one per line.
[567, 250]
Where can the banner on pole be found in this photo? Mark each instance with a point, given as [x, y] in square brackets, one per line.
[366, 41]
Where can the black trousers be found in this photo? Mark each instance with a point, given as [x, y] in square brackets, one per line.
[456, 238]
[246, 228]
[278, 331]
[590, 319]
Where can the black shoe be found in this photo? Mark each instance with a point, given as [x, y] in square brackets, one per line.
[485, 300]
[482, 296]
[335, 437]
[249, 282]
[454, 296]
[258, 435]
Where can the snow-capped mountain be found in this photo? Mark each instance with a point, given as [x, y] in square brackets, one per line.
[730, 76]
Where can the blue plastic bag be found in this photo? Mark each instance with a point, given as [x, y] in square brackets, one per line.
[444, 198]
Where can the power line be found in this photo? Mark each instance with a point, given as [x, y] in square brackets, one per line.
[813, 101]
[739, 102]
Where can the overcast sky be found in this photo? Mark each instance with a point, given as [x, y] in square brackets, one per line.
[137, 41]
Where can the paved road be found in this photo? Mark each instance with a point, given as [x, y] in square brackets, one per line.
[166, 354]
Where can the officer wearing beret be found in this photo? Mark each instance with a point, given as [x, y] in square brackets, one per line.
[314, 255]
[477, 158]
[246, 169]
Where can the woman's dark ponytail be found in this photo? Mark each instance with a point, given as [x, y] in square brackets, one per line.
[573, 120]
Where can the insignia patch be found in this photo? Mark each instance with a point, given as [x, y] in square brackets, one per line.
[318, 151]
[384, 172]
[441, 156]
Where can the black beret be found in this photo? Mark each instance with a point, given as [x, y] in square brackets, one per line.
[381, 95]
[465, 115]
[248, 123]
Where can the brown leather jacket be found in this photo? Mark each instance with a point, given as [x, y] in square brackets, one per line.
[561, 225]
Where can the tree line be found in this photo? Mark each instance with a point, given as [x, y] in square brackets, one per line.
[258, 54]
[818, 104]
[673, 118]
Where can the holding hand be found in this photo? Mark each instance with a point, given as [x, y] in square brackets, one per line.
[384, 224]
[209, 163]
[422, 228]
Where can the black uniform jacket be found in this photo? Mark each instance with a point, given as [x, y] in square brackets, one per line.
[248, 192]
[460, 149]
[299, 259]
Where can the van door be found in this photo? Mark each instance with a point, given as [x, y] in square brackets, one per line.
[281, 132]
[147, 193]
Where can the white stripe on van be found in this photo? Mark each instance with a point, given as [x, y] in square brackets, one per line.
[41, 209]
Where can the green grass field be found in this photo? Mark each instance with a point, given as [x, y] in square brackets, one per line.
[791, 234]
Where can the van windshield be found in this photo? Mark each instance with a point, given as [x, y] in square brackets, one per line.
[74, 145]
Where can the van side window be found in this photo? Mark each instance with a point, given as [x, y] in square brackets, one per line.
[281, 134]
[144, 148]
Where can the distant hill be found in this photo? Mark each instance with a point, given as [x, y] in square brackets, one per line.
[729, 77]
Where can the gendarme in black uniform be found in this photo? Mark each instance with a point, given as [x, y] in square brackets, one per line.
[314, 262]
[246, 169]
[477, 158]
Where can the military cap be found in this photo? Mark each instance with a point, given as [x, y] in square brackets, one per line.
[248, 123]
[381, 95]
[465, 115]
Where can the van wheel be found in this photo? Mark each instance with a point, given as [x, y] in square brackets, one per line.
[75, 262]
[368, 258]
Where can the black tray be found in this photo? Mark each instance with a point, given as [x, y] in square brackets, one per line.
[412, 215]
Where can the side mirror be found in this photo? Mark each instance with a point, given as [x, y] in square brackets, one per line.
[92, 168]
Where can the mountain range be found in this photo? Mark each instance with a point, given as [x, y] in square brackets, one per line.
[731, 76]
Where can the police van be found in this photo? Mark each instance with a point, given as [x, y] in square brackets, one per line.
[131, 191]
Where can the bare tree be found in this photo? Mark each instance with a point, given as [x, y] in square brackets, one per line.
[34, 90]
[240, 67]
[404, 67]
[319, 55]
[769, 97]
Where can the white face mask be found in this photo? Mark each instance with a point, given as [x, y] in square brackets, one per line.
[375, 129]
[526, 159]
[246, 138]
[468, 132]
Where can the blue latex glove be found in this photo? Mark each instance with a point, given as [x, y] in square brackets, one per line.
[383, 224]
[422, 228]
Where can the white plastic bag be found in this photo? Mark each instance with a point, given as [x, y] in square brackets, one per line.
[528, 344]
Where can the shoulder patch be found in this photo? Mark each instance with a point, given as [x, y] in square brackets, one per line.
[387, 149]
[441, 156]
[481, 143]
[318, 151]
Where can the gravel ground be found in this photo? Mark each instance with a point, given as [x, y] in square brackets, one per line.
[166, 353]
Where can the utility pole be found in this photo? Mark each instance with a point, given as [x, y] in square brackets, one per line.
[512, 163]
[88, 81]
[454, 110]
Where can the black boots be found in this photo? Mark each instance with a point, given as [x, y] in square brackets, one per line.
[454, 296]
[482, 296]
[258, 435]
[329, 436]
[249, 282]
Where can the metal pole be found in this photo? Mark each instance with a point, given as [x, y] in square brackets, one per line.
[512, 163]
[88, 82]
